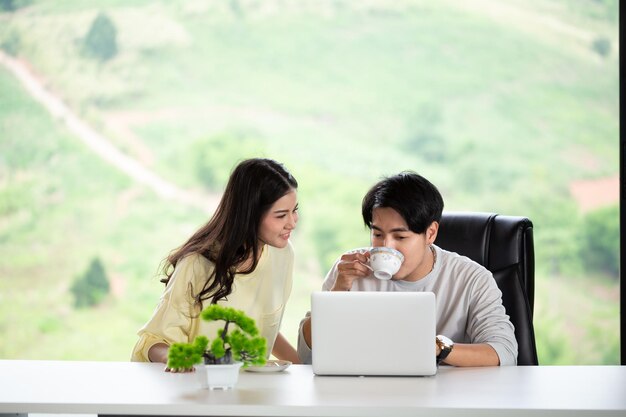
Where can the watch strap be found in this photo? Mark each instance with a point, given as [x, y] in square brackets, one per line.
[446, 345]
[445, 351]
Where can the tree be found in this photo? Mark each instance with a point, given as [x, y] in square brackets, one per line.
[8, 5]
[207, 156]
[101, 40]
[602, 46]
[424, 138]
[600, 241]
[92, 286]
[11, 43]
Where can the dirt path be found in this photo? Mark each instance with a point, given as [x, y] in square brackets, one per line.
[100, 144]
[596, 193]
[537, 22]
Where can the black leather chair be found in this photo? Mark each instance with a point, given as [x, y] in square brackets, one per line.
[503, 245]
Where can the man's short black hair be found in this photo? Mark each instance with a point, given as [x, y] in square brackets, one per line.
[415, 198]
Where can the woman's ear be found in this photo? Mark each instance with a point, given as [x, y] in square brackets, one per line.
[431, 232]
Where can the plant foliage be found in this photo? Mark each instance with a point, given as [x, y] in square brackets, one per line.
[101, 40]
[599, 249]
[92, 286]
[13, 5]
[207, 156]
[241, 344]
[602, 46]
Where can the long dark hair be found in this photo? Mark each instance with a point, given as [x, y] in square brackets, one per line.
[231, 236]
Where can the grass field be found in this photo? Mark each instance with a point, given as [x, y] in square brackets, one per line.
[503, 106]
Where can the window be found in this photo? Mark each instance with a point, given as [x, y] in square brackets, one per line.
[119, 125]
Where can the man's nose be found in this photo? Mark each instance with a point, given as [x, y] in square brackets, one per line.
[390, 243]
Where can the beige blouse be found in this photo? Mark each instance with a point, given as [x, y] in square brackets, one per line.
[262, 295]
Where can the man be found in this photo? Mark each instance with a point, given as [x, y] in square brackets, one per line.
[403, 212]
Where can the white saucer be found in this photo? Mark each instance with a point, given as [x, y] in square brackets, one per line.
[270, 366]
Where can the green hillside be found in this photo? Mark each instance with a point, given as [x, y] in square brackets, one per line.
[503, 106]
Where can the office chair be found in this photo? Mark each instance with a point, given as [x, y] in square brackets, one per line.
[503, 245]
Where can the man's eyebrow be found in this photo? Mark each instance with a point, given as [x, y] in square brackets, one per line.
[397, 229]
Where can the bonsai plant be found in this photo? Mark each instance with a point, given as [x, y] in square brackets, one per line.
[232, 345]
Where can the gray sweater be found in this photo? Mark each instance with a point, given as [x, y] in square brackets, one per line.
[469, 303]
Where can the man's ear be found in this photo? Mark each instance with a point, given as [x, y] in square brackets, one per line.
[431, 232]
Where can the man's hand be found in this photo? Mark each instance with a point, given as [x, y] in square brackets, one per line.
[351, 266]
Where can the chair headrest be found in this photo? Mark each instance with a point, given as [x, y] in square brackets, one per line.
[490, 239]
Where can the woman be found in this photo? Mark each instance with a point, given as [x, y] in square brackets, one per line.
[241, 258]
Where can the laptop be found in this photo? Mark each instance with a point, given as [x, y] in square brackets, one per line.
[373, 333]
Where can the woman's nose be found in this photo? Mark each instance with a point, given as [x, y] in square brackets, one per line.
[291, 223]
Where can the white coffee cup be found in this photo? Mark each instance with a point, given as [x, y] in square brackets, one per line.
[385, 261]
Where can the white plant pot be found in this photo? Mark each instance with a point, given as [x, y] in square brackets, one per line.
[219, 376]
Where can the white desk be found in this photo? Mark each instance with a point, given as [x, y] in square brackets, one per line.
[126, 388]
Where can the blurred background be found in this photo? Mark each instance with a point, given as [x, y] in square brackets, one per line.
[121, 120]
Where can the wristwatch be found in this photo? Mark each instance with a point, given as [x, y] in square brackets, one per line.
[446, 345]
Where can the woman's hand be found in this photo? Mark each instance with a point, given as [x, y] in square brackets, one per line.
[158, 353]
[283, 350]
[180, 370]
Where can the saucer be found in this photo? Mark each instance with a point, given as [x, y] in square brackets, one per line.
[270, 366]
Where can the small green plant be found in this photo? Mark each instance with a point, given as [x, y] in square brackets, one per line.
[242, 344]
